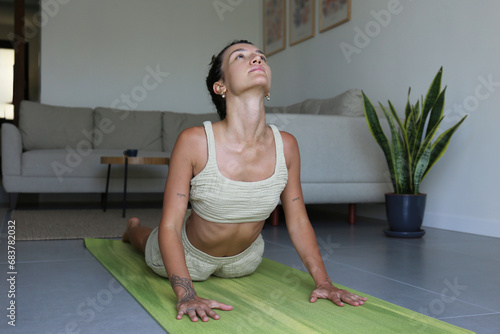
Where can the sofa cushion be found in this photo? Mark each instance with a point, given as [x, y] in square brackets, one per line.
[349, 103]
[174, 123]
[44, 126]
[296, 108]
[126, 129]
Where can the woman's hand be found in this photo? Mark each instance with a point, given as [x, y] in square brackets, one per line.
[200, 308]
[338, 296]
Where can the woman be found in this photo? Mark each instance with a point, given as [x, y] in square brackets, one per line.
[233, 173]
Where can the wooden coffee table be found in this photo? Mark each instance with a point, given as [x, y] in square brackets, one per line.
[127, 161]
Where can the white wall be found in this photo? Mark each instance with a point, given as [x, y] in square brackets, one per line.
[97, 52]
[406, 49]
[93, 51]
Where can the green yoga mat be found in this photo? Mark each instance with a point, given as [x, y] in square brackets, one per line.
[274, 299]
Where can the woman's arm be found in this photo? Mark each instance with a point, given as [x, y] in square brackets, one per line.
[302, 233]
[183, 162]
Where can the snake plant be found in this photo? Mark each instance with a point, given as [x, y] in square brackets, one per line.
[411, 153]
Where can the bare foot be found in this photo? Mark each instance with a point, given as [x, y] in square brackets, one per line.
[132, 223]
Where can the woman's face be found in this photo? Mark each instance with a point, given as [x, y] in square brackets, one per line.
[245, 67]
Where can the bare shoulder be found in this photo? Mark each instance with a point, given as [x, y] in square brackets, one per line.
[191, 138]
[290, 146]
[192, 134]
[289, 141]
[191, 145]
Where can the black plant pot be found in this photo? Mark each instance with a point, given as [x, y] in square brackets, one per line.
[405, 214]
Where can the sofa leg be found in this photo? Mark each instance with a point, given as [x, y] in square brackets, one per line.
[13, 200]
[352, 213]
[275, 217]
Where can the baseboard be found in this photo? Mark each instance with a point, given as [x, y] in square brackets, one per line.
[486, 227]
[472, 225]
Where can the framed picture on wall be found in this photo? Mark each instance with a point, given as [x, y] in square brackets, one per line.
[274, 26]
[333, 13]
[301, 20]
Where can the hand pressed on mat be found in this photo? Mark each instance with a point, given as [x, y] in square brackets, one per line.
[193, 306]
[336, 295]
[199, 307]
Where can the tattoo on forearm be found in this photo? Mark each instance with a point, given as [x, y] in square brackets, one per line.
[181, 195]
[186, 284]
[295, 199]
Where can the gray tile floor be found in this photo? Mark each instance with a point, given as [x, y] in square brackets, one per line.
[61, 288]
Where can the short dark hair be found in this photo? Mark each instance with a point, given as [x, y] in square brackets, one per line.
[215, 74]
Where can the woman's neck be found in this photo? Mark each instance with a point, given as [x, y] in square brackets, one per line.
[245, 118]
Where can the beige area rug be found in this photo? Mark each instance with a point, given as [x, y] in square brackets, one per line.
[78, 224]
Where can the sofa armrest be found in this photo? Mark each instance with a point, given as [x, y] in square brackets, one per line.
[12, 148]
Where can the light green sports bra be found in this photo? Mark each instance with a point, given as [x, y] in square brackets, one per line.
[218, 199]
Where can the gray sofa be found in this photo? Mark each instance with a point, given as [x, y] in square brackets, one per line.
[58, 149]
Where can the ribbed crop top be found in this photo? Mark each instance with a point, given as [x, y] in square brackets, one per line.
[219, 199]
